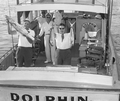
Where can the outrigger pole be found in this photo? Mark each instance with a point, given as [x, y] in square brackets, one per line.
[108, 27]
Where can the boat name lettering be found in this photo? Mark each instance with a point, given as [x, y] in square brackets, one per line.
[28, 97]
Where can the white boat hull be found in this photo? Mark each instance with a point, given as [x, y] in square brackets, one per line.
[56, 94]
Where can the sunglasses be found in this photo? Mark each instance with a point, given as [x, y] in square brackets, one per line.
[61, 28]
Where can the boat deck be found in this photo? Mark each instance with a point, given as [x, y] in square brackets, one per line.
[39, 62]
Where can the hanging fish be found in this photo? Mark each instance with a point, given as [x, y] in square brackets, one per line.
[58, 17]
[19, 28]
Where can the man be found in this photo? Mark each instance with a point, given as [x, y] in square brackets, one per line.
[24, 50]
[64, 42]
[46, 30]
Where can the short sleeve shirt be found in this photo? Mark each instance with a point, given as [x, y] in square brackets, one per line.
[23, 41]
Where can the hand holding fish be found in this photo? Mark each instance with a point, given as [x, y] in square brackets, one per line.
[9, 20]
[19, 28]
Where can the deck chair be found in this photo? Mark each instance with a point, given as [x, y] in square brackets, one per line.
[94, 57]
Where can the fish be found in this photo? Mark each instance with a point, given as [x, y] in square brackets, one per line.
[40, 19]
[19, 28]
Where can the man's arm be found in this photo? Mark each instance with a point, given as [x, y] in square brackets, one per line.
[10, 31]
[30, 36]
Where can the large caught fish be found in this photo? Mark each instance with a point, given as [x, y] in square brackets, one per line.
[19, 28]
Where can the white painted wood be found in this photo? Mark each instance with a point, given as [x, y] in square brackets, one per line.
[41, 94]
[24, 94]
[65, 1]
[56, 76]
[48, 68]
[10, 68]
[73, 7]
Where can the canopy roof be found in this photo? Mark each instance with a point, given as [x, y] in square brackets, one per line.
[97, 6]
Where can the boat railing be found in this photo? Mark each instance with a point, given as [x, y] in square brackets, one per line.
[8, 58]
[5, 54]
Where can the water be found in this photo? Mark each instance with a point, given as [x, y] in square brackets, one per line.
[115, 28]
[7, 8]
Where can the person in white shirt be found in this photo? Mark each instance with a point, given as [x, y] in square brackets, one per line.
[64, 42]
[24, 49]
[46, 30]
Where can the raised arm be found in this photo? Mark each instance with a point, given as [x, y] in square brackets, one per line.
[10, 31]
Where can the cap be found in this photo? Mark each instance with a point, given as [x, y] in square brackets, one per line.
[27, 20]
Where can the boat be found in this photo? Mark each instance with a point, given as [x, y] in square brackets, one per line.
[94, 73]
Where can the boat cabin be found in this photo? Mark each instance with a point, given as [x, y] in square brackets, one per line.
[89, 29]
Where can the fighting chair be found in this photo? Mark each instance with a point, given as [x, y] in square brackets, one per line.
[94, 57]
[94, 53]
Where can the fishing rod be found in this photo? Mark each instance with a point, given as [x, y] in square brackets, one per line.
[13, 46]
[8, 23]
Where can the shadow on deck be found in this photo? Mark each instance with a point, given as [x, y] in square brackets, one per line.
[75, 54]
